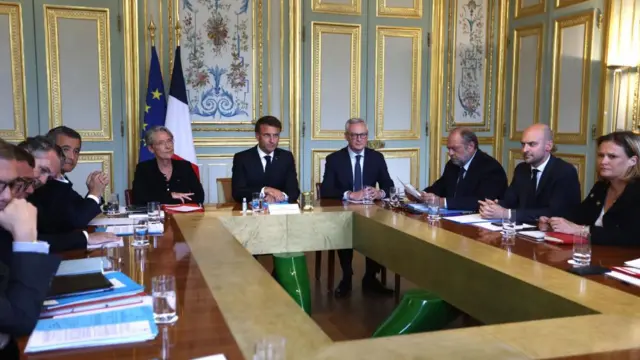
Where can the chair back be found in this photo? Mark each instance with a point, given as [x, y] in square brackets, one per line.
[224, 190]
[128, 197]
[318, 186]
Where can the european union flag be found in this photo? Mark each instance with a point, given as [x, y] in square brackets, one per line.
[155, 108]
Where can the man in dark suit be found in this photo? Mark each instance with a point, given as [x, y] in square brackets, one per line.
[265, 168]
[60, 208]
[30, 176]
[543, 185]
[351, 173]
[469, 176]
[26, 268]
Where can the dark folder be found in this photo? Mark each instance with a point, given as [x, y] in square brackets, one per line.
[63, 286]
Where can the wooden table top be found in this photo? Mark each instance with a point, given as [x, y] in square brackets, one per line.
[200, 330]
[204, 303]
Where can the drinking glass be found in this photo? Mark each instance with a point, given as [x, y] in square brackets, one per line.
[163, 291]
[270, 348]
[111, 257]
[256, 202]
[368, 195]
[140, 233]
[394, 197]
[433, 209]
[582, 249]
[113, 205]
[153, 212]
[509, 223]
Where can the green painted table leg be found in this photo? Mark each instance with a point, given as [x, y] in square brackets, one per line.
[418, 311]
[292, 274]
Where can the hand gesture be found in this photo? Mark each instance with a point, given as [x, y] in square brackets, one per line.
[20, 219]
[181, 196]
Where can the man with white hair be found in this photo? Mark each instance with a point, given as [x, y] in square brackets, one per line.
[352, 173]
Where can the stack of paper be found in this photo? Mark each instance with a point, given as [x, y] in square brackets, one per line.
[630, 274]
[119, 326]
[468, 219]
[123, 230]
[118, 243]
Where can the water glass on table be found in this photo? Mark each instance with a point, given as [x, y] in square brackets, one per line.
[113, 204]
[165, 306]
[509, 223]
[140, 233]
[111, 257]
[582, 249]
[368, 195]
[270, 348]
[394, 197]
[153, 212]
[256, 202]
[433, 209]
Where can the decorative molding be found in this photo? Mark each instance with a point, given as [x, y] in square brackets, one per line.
[414, 12]
[415, 34]
[511, 165]
[586, 19]
[530, 10]
[565, 3]
[103, 40]
[413, 154]
[579, 161]
[317, 155]
[437, 57]
[295, 79]
[482, 60]
[105, 158]
[503, 42]
[518, 34]
[482, 140]
[131, 83]
[159, 34]
[18, 83]
[324, 6]
[233, 142]
[318, 29]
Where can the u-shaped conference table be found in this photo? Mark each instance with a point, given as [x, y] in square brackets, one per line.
[533, 308]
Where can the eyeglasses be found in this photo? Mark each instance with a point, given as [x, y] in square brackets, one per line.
[23, 183]
[13, 184]
[164, 142]
[358, 136]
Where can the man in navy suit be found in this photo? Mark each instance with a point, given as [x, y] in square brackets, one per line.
[542, 185]
[265, 168]
[469, 176]
[350, 174]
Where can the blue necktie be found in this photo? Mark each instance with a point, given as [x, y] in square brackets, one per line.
[268, 163]
[357, 177]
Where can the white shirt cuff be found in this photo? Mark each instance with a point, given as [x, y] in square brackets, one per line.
[86, 235]
[35, 247]
[382, 194]
[345, 196]
[95, 198]
[445, 203]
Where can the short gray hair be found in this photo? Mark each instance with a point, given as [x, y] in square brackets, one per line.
[148, 136]
[354, 121]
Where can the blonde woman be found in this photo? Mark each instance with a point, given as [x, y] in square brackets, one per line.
[611, 211]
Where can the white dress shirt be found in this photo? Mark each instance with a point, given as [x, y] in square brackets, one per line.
[540, 169]
[352, 156]
[466, 169]
[262, 154]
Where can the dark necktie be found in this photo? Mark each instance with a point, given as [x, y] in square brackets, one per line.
[268, 165]
[460, 177]
[357, 177]
[533, 186]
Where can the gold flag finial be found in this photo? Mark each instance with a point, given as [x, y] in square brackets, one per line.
[178, 32]
[152, 32]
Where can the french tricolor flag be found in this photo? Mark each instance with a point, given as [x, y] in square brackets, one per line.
[178, 119]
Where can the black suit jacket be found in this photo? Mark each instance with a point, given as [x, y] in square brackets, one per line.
[61, 209]
[485, 179]
[249, 176]
[149, 184]
[75, 240]
[557, 193]
[338, 173]
[24, 283]
[619, 223]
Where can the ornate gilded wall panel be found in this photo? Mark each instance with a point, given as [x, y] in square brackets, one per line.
[340, 7]
[394, 8]
[12, 75]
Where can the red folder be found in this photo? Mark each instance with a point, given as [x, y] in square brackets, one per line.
[627, 271]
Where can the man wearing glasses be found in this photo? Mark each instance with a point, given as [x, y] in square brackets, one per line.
[265, 168]
[26, 268]
[351, 174]
[34, 172]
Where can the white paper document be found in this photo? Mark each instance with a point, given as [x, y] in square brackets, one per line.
[211, 357]
[624, 277]
[106, 221]
[469, 219]
[118, 243]
[409, 189]
[184, 208]
[538, 235]
[284, 209]
[490, 226]
[634, 263]
[122, 230]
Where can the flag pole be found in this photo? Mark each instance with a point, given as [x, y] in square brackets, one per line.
[152, 33]
[178, 29]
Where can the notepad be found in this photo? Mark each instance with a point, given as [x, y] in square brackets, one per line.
[118, 243]
[468, 219]
[492, 227]
[106, 221]
[123, 230]
[118, 326]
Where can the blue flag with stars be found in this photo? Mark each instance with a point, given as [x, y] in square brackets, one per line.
[155, 108]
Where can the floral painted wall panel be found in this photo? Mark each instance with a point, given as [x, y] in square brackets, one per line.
[471, 56]
[218, 56]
